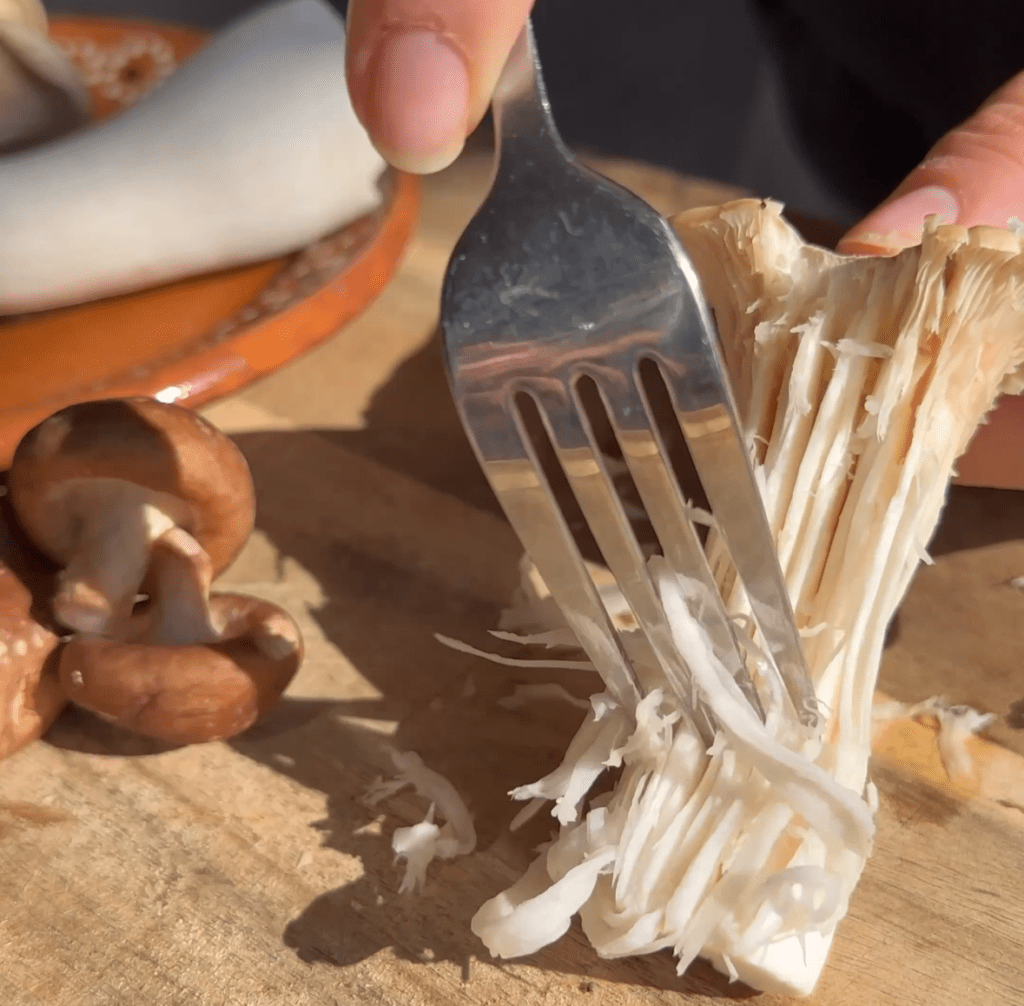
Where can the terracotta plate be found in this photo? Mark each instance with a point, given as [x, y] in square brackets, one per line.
[201, 338]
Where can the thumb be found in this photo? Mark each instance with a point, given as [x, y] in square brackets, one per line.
[421, 73]
[973, 175]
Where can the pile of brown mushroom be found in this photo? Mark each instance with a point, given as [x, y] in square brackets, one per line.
[141, 505]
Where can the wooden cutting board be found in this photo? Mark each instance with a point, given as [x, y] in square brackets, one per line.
[253, 873]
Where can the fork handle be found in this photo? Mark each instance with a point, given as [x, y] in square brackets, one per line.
[523, 123]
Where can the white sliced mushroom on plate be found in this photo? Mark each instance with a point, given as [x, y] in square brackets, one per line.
[249, 151]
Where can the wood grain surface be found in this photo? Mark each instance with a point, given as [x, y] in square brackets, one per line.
[254, 873]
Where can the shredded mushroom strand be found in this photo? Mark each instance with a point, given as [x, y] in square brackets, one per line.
[423, 842]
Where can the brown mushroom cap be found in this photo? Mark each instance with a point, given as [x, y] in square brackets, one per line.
[31, 696]
[166, 449]
[191, 693]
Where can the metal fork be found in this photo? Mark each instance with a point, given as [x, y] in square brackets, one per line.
[563, 276]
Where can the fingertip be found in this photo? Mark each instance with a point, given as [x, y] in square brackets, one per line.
[421, 75]
[420, 164]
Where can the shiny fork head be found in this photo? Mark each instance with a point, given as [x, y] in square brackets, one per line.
[564, 279]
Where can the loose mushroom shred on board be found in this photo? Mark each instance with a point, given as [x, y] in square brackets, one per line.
[375, 529]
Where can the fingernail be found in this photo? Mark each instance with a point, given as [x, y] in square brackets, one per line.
[899, 224]
[418, 101]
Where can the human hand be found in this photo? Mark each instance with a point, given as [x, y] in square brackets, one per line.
[421, 72]
[973, 175]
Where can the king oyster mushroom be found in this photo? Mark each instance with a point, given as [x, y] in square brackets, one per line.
[190, 666]
[97, 484]
[41, 93]
[250, 150]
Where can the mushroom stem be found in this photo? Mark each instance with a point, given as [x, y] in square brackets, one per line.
[106, 567]
[178, 582]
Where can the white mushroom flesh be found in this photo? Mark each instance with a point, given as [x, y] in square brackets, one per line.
[425, 841]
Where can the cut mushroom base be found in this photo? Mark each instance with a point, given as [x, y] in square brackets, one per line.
[859, 382]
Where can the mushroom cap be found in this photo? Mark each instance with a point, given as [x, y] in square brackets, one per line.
[31, 695]
[192, 693]
[165, 449]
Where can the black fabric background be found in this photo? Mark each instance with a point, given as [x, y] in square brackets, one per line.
[870, 85]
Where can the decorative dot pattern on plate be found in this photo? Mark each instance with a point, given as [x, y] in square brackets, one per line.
[304, 275]
[125, 71]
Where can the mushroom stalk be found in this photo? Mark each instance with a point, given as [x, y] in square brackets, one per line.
[116, 527]
[178, 612]
[859, 381]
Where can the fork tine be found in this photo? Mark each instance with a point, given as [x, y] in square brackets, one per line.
[647, 459]
[720, 457]
[530, 505]
[584, 466]
[733, 493]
